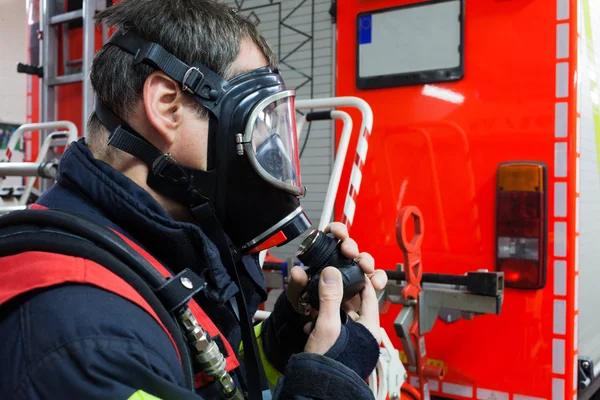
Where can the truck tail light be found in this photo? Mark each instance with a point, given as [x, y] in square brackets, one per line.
[521, 224]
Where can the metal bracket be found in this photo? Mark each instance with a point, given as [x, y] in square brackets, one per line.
[433, 300]
[586, 373]
[402, 326]
[436, 301]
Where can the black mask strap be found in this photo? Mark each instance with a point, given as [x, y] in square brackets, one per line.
[213, 130]
[122, 138]
[187, 186]
[198, 80]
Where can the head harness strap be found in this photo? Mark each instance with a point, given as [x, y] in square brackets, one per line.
[197, 79]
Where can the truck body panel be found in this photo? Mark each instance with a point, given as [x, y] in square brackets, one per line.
[440, 149]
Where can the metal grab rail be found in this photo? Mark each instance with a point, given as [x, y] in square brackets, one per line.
[46, 169]
[41, 157]
[67, 126]
[41, 167]
[6, 209]
[338, 166]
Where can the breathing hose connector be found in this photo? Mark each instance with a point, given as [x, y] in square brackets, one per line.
[208, 356]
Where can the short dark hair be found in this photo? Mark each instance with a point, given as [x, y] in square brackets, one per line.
[204, 31]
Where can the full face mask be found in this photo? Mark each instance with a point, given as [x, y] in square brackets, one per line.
[252, 183]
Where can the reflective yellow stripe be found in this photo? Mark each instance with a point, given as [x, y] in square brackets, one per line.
[272, 373]
[141, 395]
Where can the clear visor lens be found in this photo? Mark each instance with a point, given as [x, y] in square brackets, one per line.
[275, 144]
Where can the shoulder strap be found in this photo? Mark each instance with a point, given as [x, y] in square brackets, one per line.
[61, 233]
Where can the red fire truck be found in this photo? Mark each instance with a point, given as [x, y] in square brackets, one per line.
[492, 129]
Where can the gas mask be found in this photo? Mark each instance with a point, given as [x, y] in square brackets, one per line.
[252, 183]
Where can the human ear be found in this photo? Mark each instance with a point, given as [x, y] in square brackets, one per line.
[163, 102]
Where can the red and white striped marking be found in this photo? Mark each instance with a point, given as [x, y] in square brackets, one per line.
[563, 306]
[463, 391]
[356, 177]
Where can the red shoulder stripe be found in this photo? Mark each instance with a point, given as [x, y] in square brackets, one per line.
[203, 319]
[35, 269]
[200, 379]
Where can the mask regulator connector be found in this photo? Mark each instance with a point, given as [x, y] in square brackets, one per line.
[320, 250]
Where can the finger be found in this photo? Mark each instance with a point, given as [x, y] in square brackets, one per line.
[307, 328]
[353, 315]
[313, 314]
[369, 303]
[328, 325]
[353, 304]
[338, 229]
[331, 290]
[349, 248]
[366, 262]
[296, 285]
[369, 310]
[379, 279]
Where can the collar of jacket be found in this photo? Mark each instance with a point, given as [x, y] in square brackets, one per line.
[178, 245]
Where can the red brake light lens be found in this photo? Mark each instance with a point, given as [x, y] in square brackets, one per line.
[520, 224]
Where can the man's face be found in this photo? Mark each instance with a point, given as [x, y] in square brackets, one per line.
[190, 146]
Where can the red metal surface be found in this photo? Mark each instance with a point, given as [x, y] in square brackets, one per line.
[442, 157]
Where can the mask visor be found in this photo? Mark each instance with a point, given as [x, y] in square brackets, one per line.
[271, 142]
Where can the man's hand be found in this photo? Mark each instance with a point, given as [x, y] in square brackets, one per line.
[328, 325]
[377, 278]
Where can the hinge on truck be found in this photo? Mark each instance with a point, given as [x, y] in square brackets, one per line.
[586, 373]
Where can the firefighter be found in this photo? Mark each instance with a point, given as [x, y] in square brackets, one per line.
[192, 140]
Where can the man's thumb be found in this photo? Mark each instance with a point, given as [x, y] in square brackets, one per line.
[328, 325]
[331, 291]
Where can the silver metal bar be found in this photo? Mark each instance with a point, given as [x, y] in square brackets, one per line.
[66, 17]
[89, 34]
[45, 169]
[60, 142]
[402, 326]
[433, 299]
[41, 157]
[104, 34]
[383, 301]
[427, 285]
[11, 208]
[65, 79]
[68, 126]
[49, 61]
[394, 293]
[65, 51]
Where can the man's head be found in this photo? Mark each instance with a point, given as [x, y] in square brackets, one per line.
[203, 31]
[237, 159]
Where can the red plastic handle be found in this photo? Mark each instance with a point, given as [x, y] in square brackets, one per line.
[411, 248]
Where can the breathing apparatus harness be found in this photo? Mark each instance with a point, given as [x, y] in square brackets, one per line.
[249, 194]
